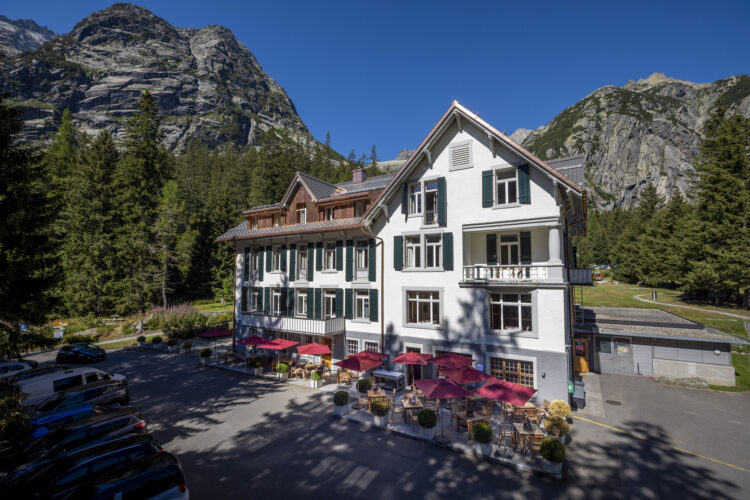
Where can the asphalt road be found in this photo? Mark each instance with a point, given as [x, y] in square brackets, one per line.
[241, 437]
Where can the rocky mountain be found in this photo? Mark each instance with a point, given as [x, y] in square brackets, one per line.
[206, 83]
[20, 35]
[646, 131]
[520, 135]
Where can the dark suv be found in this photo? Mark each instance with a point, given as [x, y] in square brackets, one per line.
[102, 392]
[81, 353]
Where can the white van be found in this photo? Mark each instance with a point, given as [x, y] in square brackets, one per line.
[40, 388]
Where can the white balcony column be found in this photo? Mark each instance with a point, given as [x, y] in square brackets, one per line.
[555, 258]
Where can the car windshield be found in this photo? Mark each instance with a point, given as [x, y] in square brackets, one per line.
[92, 346]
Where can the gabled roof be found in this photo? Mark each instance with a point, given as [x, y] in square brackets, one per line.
[315, 187]
[241, 232]
[457, 109]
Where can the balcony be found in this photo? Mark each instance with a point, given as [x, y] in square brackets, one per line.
[293, 324]
[505, 274]
[580, 277]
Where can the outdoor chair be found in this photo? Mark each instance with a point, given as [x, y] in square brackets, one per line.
[532, 415]
[362, 402]
[396, 407]
[487, 408]
[519, 415]
[433, 404]
[506, 433]
[533, 443]
[344, 376]
[455, 410]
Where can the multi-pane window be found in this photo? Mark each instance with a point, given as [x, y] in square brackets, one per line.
[509, 249]
[352, 347]
[423, 307]
[255, 223]
[255, 299]
[329, 213]
[510, 311]
[513, 370]
[301, 213]
[361, 259]
[302, 262]
[359, 209]
[413, 252]
[276, 220]
[276, 302]
[362, 306]
[301, 309]
[276, 259]
[430, 202]
[329, 300]
[371, 346]
[254, 262]
[432, 250]
[506, 187]
[329, 260]
[415, 199]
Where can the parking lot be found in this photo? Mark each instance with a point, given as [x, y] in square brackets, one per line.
[239, 436]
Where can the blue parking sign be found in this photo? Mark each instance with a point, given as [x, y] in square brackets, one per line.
[23, 327]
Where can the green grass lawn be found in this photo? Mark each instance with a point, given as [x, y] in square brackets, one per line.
[125, 343]
[214, 307]
[741, 363]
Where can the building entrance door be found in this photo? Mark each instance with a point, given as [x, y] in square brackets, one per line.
[414, 372]
[327, 357]
[581, 355]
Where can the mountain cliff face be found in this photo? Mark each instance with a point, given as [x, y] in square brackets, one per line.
[206, 83]
[648, 130]
[20, 35]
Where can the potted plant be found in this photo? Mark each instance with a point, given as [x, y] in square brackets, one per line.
[141, 340]
[172, 345]
[560, 408]
[282, 371]
[315, 380]
[557, 427]
[205, 354]
[186, 346]
[364, 385]
[553, 454]
[156, 341]
[427, 420]
[482, 434]
[380, 408]
[340, 403]
[257, 367]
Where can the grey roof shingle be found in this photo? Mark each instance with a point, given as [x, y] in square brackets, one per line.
[376, 182]
[320, 189]
[571, 167]
[241, 232]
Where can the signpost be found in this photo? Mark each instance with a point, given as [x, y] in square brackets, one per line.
[24, 327]
[58, 329]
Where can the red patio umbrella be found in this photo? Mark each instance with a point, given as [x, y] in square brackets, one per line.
[359, 363]
[369, 355]
[442, 388]
[412, 358]
[254, 340]
[314, 349]
[464, 374]
[276, 344]
[507, 392]
[450, 360]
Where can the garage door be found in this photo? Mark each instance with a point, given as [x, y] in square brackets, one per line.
[643, 361]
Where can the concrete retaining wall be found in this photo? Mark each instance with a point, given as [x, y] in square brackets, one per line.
[713, 374]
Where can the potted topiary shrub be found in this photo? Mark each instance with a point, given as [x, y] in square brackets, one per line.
[380, 408]
[482, 434]
[340, 403]
[427, 420]
[205, 354]
[172, 345]
[186, 346]
[364, 385]
[282, 371]
[316, 380]
[256, 369]
[141, 340]
[553, 454]
[560, 408]
[156, 341]
[557, 427]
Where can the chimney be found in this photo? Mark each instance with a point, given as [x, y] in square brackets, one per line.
[359, 175]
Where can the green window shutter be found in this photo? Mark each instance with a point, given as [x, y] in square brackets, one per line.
[268, 258]
[487, 198]
[319, 256]
[524, 189]
[310, 303]
[339, 255]
[404, 198]
[398, 253]
[525, 248]
[283, 258]
[267, 301]
[318, 302]
[349, 259]
[292, 261]
[373, 305]
[260, 298]
[448, 251]
[243, 299]
[339, 303]
[442, 210]
[284, 306]
[290, 302]
[246, 266]
[310, 263]
[260, 264]
[371, 262]
[491, 249]
[348, 303]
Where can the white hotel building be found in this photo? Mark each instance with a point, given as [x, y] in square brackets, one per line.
[465, 249]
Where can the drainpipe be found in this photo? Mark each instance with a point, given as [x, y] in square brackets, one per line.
[382, 287]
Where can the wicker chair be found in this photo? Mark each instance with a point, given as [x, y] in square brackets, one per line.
[532, 415]
[506, 432]
[363, 401]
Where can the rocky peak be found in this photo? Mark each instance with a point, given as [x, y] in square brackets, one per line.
[21, 35]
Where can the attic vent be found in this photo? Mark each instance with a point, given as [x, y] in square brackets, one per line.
[460, 156]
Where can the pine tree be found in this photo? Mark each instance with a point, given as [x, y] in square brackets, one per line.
[372, 167]
[662, 256]
[90, 223]
[26, 256]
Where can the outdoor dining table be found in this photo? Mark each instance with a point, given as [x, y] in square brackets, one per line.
[374, 394]
[472, 400]
[523, 434]
[410, 407]
[470, 420]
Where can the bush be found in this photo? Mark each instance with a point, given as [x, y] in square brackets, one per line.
[282, 368]
[81, 339]
[187, 345]
[258, 363]
[341, 398]
[363, 385]
[315, 376]
[172, 342]
[205, 352]
[156, 340]
[556, 426]
[427, 418]
[380, 407]
[105, 329]
[179, 322]
[482, 433]
[141, 338]
[559, 408]
[552, 449]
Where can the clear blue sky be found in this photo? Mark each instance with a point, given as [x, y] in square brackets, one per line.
[382, 72]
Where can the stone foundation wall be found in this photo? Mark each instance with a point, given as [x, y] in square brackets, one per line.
[713, 374]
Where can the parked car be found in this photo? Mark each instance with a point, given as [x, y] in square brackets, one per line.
[41, 425]
[61, 476]
[10, 368]
[81, 353]
[43, 387]
[102, 392]
[157, 477]
[36, 372]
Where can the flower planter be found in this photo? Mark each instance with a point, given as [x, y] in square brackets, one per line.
[316, 384]
[483, 449]
[204, 361]
[428, 433]
[552, 467]
[380, 421]
[282, 376]
[141, 344]
[340, 410]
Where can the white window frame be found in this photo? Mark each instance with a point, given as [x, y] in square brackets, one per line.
[424, 322]
[415, 199]
[300, 300]
[361, 312]
[329, 304]
[361, 271]
[506, 183]
[301, 215]
[427, 192]
[276, 259]
[349, 344]
[254, 262]
[501, 303]
[276, 302]
[420, 249]
[254, 223]
[416, 251]
[329, 213]
[434, 249]
[509, 245]
[329, 252]
[370, 345]
[301, 263]
[254, 299]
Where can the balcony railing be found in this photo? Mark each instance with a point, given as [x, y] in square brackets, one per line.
[506, 274]
[580, 277]
[296, 325]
